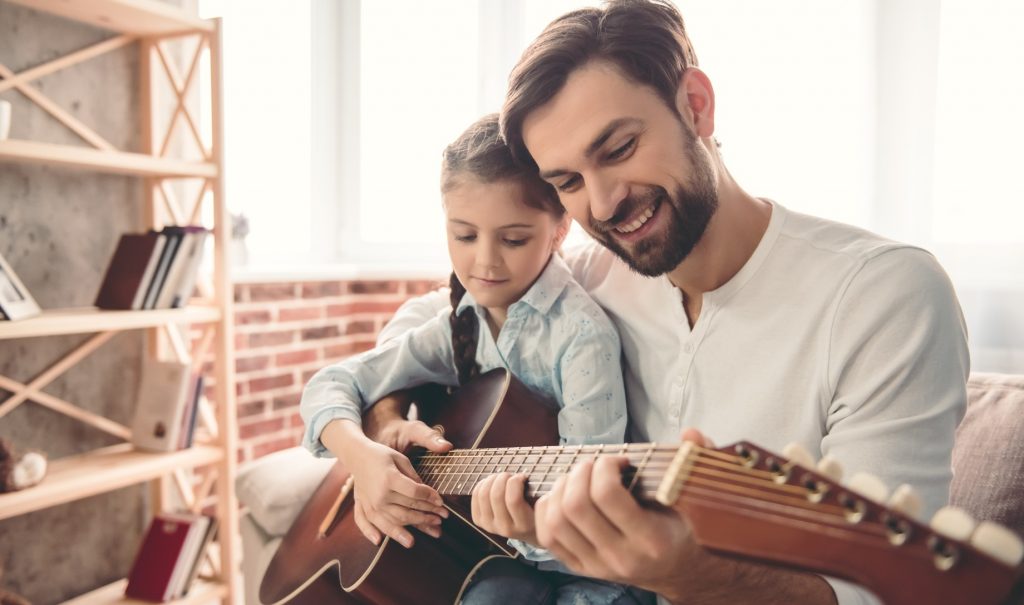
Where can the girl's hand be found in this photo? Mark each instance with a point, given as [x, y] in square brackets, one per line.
[388, 493]
[499, 506]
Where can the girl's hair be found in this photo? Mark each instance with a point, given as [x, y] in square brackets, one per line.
[480, 154]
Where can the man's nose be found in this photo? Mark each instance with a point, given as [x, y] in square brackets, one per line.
[605, 192]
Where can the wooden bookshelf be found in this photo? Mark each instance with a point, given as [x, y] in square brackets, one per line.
[90, 319]
[191, 334]
[75, 477]
[114, 162]
[202, 593]
[141, 17]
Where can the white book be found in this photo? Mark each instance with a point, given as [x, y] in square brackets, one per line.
[147, 275]
[189, 553]
[177, 269]
[187, 282]
[162, 399]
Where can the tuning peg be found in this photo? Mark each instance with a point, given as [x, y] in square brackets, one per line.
[797, 454]
[831, 468]
[953, 522]
[998, 542]
[869, 486]
[905, 500]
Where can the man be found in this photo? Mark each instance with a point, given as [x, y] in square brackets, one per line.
[737, 316]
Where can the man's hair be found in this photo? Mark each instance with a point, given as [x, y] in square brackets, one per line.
[481, 155]
[645, 39]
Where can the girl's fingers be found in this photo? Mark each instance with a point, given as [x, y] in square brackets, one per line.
[499, 510]
[515, 501]
[368, 530]
[480, 505]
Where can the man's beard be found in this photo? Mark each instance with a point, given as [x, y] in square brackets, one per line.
[689, 211]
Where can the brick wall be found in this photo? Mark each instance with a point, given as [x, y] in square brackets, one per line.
[286, 331]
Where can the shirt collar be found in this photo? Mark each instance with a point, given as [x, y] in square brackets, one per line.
[541, 295]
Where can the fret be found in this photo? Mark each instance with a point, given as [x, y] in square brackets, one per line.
[640, 468]
[542, 486]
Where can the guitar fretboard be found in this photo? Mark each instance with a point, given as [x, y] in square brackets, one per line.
[457, 472]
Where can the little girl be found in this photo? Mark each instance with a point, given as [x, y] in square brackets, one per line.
[515, 305]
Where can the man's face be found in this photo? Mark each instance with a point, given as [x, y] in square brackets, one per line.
[626, 167]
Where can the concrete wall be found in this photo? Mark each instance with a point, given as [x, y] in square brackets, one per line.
[58, 228]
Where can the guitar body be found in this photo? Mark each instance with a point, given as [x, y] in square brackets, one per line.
[493, 411]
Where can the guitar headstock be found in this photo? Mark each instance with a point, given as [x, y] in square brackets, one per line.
[746, 501]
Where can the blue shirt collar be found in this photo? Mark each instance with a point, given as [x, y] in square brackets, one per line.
[541, 295]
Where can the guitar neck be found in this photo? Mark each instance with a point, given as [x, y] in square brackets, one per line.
[457, 472]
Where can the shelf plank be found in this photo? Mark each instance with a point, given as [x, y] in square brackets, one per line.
[202, 593]
[103, 470]
[142, 17]
[116, 162]
[87, 320]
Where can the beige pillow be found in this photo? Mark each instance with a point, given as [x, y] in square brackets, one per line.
[277, 486]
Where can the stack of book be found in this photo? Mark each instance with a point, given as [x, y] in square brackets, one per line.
[153, 270]
[168, 560]
[167, 406]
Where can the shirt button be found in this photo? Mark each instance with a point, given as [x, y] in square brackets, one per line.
[674, 413]
[688, 348]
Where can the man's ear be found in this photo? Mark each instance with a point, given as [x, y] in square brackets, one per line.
[695, 100]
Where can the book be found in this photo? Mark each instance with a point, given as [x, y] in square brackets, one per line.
[189, 253]
[154, 260]
[187, 284]
[189, 553]
[174, 236]
[157, 557]
[188, 421]
[162, 399]
[193, 573]
[127, 270]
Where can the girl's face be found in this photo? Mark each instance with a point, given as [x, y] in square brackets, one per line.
[498, 244]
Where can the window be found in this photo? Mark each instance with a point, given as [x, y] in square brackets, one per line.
[900, 117]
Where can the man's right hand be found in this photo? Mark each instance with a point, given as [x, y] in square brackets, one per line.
[389, 495]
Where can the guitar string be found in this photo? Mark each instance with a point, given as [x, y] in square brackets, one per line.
[835, 512]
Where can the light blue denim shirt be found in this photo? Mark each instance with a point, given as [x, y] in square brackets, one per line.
[556, 340]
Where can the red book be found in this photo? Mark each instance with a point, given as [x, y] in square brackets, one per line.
[150, 578]
[129, 271]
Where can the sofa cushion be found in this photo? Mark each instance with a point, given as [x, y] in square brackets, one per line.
[988, 454]
[277, 486]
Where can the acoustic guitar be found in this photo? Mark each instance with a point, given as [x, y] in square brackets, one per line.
[740, 501]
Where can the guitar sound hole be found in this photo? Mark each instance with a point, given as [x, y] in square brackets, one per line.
[815, 489]
[944, 554]
[855, 509]
[898, 530]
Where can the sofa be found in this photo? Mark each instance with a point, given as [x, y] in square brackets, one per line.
[988, 468]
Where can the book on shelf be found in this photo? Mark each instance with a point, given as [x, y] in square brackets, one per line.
[168, 559]
[188, 421]
[162, 404]
[153, 270]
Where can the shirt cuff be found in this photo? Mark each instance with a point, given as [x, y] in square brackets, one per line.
[530, 552]
[315, 428]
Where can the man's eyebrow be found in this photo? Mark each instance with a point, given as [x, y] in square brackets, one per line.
[596, 144]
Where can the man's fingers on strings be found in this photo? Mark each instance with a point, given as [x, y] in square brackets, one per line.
[502, 518]
[616, 506]
[480, 504]
[515, 501]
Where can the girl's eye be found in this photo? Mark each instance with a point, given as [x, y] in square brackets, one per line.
[515, 243]
[465, 238]
[569, 185]
[622, 151]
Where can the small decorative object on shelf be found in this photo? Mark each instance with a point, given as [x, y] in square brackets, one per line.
[15, 301]
[20, 471]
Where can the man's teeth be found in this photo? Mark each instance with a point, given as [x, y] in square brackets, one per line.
[640, 220]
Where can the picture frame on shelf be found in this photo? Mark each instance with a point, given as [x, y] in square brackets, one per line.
[15, 300]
